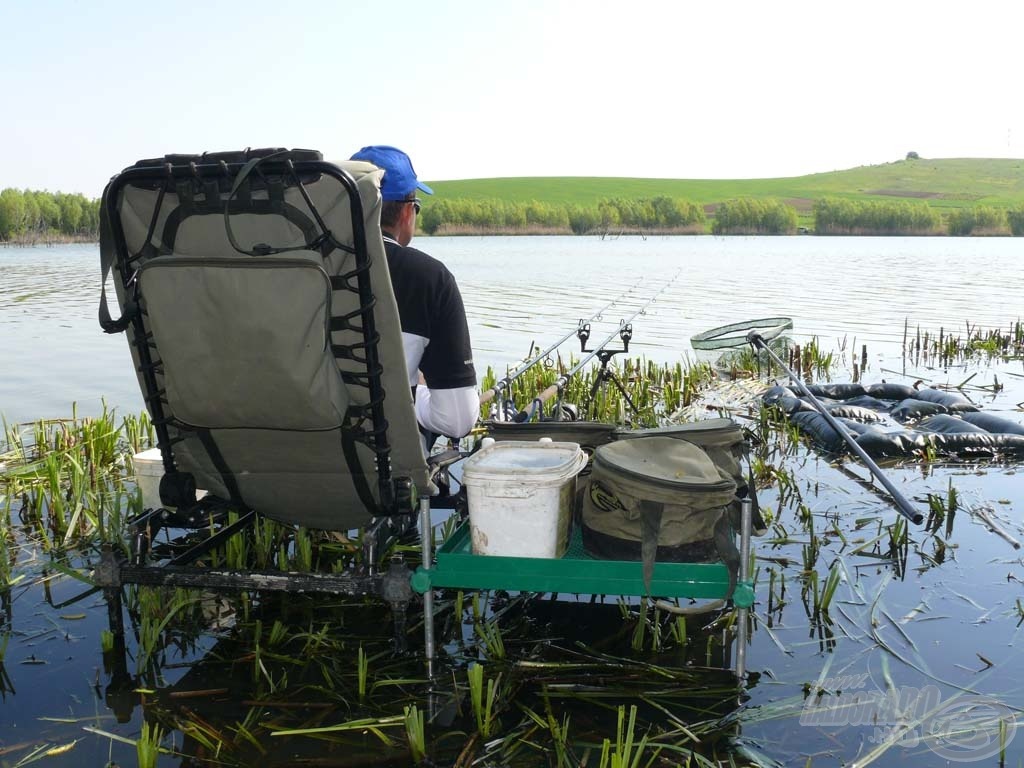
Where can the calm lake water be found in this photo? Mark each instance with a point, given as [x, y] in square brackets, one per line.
[523, 289]
[946, 626]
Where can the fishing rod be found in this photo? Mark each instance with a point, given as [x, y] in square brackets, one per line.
[903, 506]
[503, 388]
[624, 332]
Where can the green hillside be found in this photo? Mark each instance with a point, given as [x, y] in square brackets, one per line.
[946, 183]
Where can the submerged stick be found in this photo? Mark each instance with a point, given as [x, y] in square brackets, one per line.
[983, 513]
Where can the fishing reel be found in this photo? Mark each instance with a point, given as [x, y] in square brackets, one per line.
[564, 412]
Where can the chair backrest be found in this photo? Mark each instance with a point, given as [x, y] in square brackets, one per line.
[258, 306]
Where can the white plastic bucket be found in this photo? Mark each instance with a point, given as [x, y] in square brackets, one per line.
[149, 468]
[521, 497]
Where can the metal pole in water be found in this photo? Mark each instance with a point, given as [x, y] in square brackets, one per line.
[743, 614]
[902, 505]
[427, 551]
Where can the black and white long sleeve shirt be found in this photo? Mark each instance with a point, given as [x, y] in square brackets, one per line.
[435, 338]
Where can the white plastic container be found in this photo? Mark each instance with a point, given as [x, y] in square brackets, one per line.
[521, 497]
[149, 468]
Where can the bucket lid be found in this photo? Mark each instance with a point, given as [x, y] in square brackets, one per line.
[513, 457]
[588, 434]
[664, 460]
[149, 462]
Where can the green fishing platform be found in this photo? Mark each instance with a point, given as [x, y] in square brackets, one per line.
[576, 572]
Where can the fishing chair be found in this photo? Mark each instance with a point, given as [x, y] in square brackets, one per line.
[259, 313]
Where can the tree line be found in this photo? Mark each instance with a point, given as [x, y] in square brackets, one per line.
[451, 216]
[742, 216]
[837, 216]
[609, 215]
[31, 214]
[834, 216]
[28, 214]
[753, 216]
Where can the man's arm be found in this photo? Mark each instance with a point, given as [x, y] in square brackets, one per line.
[449, 412]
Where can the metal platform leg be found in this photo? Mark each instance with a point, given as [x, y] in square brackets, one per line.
[427, 552]
[743, 614]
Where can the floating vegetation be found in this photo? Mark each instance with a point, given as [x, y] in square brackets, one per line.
[946, 348]
[810, 362]
[69, 475]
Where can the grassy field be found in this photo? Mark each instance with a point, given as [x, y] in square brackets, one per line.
[946, 183]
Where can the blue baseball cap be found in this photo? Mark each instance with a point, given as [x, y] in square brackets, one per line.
[399, 177]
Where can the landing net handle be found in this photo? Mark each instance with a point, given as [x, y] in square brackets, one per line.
[902, 504]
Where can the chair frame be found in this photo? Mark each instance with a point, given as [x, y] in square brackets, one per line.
[396, 512]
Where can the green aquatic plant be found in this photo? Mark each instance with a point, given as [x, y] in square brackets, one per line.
[977, 343]
[482, 698]
[810, 361]
[414, 733]
[776, 596]
[490, 636]
[8, 554]
[303, 550]
[72, 476]
[236, 548]
[823, 597]
[139, 432]
[147, 748]
[678, 630]
[362, 671]
[626, 751]
[157, 608]
[656, 391]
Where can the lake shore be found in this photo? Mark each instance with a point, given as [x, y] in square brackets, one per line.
[47, 239]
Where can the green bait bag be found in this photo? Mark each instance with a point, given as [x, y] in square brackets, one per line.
[726, 444]
[659, 498]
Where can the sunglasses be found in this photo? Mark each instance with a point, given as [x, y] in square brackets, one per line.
[417, 204]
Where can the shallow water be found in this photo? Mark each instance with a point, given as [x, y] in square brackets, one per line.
[939, 621]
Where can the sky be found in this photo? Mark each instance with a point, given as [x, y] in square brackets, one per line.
[477, 89]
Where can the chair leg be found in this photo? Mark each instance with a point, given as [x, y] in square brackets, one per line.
[120, 695]
[427, 552]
